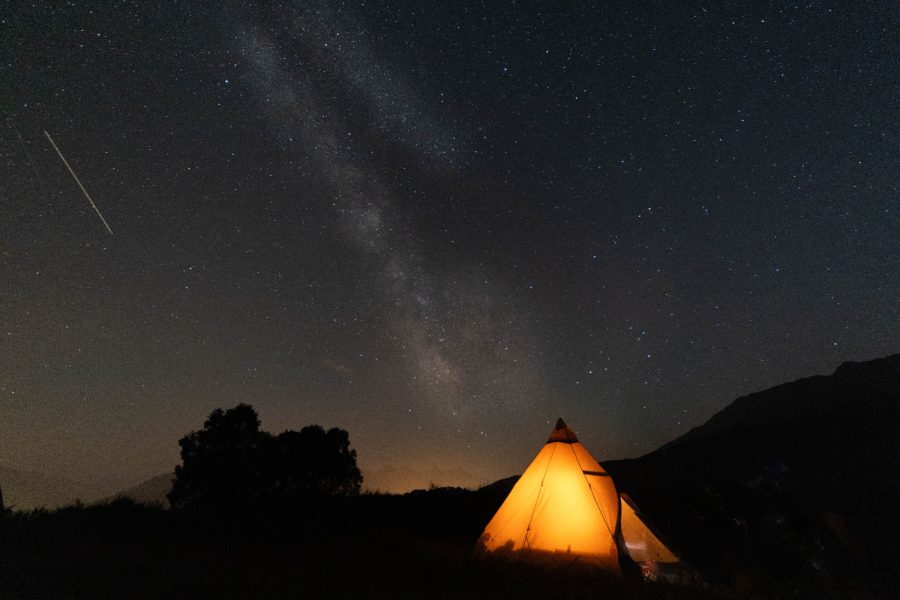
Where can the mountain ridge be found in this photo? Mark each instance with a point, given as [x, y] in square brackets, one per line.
[877, 377]
[796, 481]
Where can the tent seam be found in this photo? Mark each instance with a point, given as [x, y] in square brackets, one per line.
[538, 499]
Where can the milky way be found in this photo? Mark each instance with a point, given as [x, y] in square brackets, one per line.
[438, 227]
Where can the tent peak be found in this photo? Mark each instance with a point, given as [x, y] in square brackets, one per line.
[562, 433]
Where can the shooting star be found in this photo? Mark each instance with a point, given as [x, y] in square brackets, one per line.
[75, 177]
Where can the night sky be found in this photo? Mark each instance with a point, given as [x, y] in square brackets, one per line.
[439, 226]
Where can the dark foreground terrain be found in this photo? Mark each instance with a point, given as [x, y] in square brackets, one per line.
[413, 546]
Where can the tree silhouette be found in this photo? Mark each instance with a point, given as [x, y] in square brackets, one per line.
[231, 464]
[221, 462]
[315, 462]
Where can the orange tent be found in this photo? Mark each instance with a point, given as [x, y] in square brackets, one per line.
[565, 504]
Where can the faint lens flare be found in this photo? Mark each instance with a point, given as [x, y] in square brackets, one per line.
[75, 177]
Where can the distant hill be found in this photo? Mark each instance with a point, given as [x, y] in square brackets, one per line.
[25, 490]
[798, 481]
[153, 491]
[390, 479]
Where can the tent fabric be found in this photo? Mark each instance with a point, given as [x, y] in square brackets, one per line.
[565, 502]
[641, 543]
[562, 433]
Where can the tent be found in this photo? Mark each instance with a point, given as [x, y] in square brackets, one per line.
[563, 503]
[641, 544]
[566, 505]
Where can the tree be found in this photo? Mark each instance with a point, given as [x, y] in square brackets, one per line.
[315, 462]
[231, 464]
[221, 462]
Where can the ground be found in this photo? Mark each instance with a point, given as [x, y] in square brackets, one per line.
[384, 547]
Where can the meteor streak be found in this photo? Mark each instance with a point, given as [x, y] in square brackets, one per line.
[75, 177]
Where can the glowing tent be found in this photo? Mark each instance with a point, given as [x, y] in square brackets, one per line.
[563, 503]
[566, 505]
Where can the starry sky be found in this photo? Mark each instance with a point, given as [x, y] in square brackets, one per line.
[439, 226]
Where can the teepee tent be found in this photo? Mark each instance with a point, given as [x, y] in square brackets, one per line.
[563, 503]
[641, 543]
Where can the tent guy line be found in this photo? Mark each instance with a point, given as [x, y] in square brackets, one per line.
[75, 177]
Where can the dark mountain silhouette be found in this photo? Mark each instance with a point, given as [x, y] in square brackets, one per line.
[153, 491]
[857, 391]
[797, 482]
